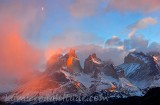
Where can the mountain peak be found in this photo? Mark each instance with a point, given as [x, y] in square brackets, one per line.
[137, 64]
[72, 61]
[72, 52]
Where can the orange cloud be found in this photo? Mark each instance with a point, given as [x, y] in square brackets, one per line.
[18, 58]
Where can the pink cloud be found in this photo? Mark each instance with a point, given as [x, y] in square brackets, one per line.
[18, 57]
[141, 24]
[144, 6]
[83, 8]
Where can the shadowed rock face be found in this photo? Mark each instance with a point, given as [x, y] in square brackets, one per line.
[69, 60]
[95, 66]
[120, 72]
[59, 77]
[89, 65]
[110, 71]
[140, 67]
[55, 63]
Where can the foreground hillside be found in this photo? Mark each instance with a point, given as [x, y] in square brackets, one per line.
[151, 98]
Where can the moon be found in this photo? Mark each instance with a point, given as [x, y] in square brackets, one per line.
[42, 8]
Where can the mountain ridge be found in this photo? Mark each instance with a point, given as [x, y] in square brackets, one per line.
[64, 75]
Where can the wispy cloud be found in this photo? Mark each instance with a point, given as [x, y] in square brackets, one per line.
[141, 24]
[84, 8]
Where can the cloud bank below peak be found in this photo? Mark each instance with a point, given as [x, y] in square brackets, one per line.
[138, 43]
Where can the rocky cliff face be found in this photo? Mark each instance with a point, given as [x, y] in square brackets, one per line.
[94, 65]
[72, 62]
[110, 70]
[140, 68]
[69, 61]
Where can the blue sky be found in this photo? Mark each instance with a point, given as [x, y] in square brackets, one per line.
[100, 19]
[104, 24]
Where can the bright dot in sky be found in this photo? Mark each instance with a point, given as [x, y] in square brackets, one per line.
[42, 8]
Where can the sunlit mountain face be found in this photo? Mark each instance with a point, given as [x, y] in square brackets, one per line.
[79, 52]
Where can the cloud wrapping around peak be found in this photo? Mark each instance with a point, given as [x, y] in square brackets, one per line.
[136, 42]
[106, 54]
[69, 39]
[122, 47]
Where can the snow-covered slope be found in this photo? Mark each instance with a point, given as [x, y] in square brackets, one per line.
[141, 69]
